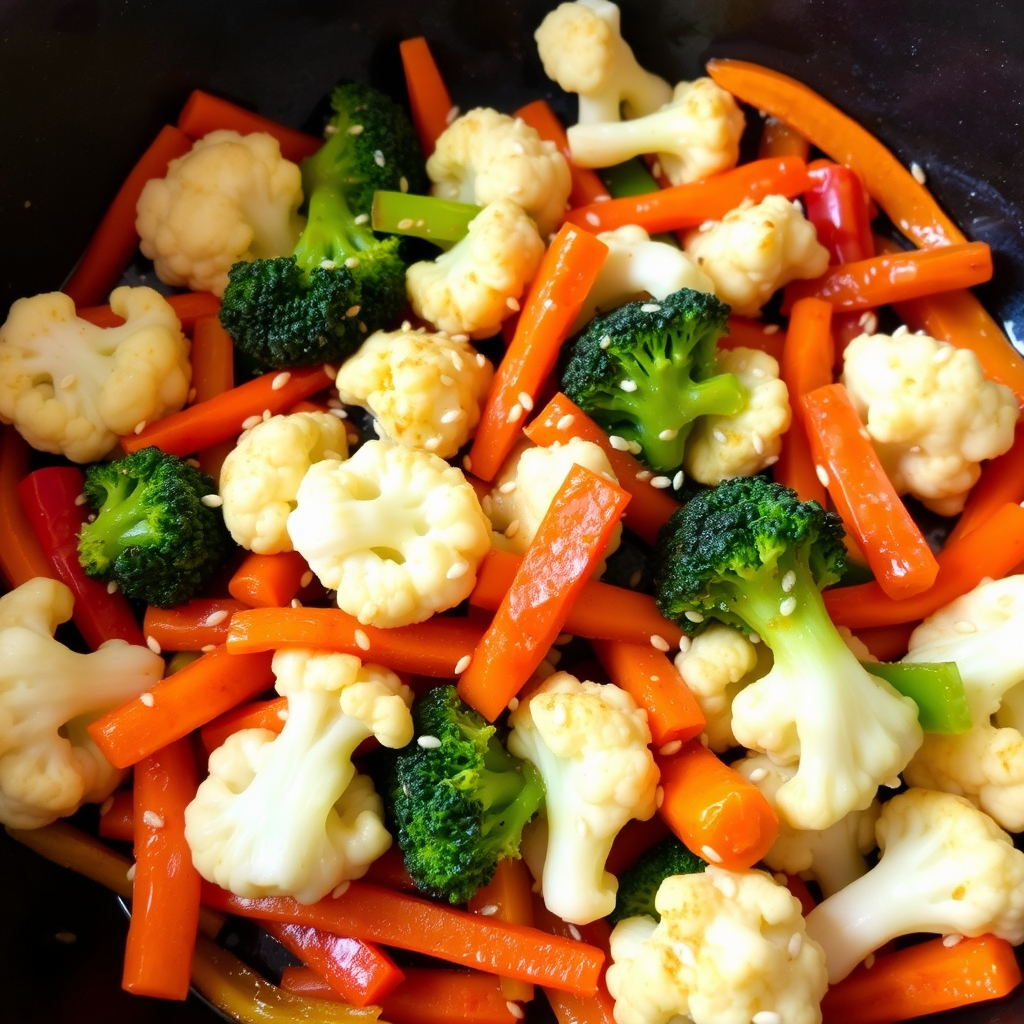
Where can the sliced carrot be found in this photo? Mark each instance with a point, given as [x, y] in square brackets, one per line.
[633, 839]
[165, 890]
[744, 333]
[1002, 481]
[193, 626]
[225, 415]
[688, 206]
[555, 296]
[895, 547]
[117, 816]
[887, 643]
[204, 113]
[389, 870]
[213, 373]
[779, 139]
[269, 581]
[570, 541]
[261, 714]
[184, 701]
[716, 812]
[909, 204]
[649, 677]
[428, 97]
[649, 507]
[189, 308]
[21, 556]
[991, 550]
[114, 242]
[432, 648]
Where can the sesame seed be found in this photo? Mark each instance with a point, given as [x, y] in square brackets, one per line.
[795, 944]
[81, 499]
[943, 354]
[341, 415]
[355, 129]
[650, 307]
[405, 223]
[822, 475]
[560, 715]
[326, 264]
[130, 873]
[456, 358]
[206, 648]
[378, 158]
[363, 218]
[788, 581]
[963, 626]
[659, 643]
[432, 443]
[758, 775]
[788, 606]
[489, 910]
[592, 219]
[565, 422]
[515, 413]
[582, 827]
[462, 664]
[553, 656]
[266, 415]
[918, 173]
[669, 435]
[766, 1017]
[147, 698]
[152, 819]
[770, 329]
[251, 421]
[512, 529]
[194, 463]
[515, 1009]
[295, 603]
[754, 638]
[620, 444]
[106, 806]
[403, 184]
[952, 940]
[217, 617]
[718, 435]
[508, 487]
[453, 113]
[659, 796]
[352, 311]
[526, 401]
[605, 341]
[153, 644]
[661, 482]
[656, 169]
[331, 372]
[351, 263]
[726, 885]
[363, 328]
[446, 380]
[562, 639]
[512, 304]
[452, 415]
[678, 480]
[513, 704]
[670, 748]
[283, 714]
[280, 380]
[628, 385]
[457, 570]
[428, 742]
[693, 616]
[69, 381]
[212, 500]
[758, 442]
[869, 961]
[467, 464]
[330, 455]
[112, 587]
[140, 427]
[340, 889]
[362, 640]
[684, 644]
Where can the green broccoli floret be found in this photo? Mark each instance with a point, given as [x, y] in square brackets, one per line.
[153, 536]
[461, 806]
[342, 281]
[639, 885]
[647, 370]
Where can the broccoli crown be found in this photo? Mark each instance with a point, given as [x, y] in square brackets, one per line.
[152, 535]
[727, 554]
[647, 370]
[460, 806]
[639, 885]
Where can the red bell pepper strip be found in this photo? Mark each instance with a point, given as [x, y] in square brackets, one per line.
[21, 556]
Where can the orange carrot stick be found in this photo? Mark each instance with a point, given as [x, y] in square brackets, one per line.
[113, 243]
[193, 626]
[389, 870]
[184, 701]
[887, 643]
[117, 816]
[213, 373]
[260, 714]
[634, 839]
[570, 541]
[428, 98]
[165, 890]
[649, 677]
[21, 555]
[779, 139]
[189, 308]
[1002, 481]
[269, 581]
[556, 295]
[991, 550]
[204, 113]
[716, 812]
[744, 333]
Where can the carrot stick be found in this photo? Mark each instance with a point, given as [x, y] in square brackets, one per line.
[193, 626]
[114, 242]
[650, 678]
[688, 206]
[633, 839]
[428, 98]
[376, 914]
[269, 581]
[184, 701]
[165, 896]
[744, 333]
[892, 542]
[189, 308]
[569, 542]
[21, 557]
[716, 812]
[650, 507]
[224, 416]
[603, 611]
[909, 204]
[433, 648]
[587, 187]
[389, 870]
[778, 139]
[924, 979]
[117, 816]
[1002, 481]
[204, 113]
[991, 550]
[556, 295]
[213, 373]
[261, 714]
[887, 643]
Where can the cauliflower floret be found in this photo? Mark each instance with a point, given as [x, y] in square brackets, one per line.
[247, 831]
[721, 447]
[945, 867]
[231, 198]
[754, 250]
[71, 388]
[397, 532]
[49, 766]
[261, 475]
[696, 134]
[931, 414]
[426, 390]
[527, 484]
[484, 156]
[590, 744]
[582, 49]
[731, 947]
[468, 289]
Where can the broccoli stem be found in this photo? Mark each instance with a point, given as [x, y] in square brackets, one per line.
[632, 178]
[441, 221]
[331, 232]
[123, 520]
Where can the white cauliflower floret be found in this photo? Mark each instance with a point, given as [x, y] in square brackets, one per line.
[230, 198]
[246, 828]
[71, 388]
[722, 447]
[397, 532]
[638, 266]
[527, 484]
[484, 156]
[755, 250]
[945, 867]
[467, 290]
[834, 857]
[426, 390]
[931, 414]
[590, 744]
[49, 766]
[261, 475]
[696, 134]
[980, 632]
[731, 948]
[582, 49]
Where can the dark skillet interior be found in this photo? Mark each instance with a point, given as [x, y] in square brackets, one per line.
[84, 85]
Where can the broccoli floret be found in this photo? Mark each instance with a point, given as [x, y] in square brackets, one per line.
[153, 536]
[639, 885]
[647, 370]
[461, 806]
[342, 281]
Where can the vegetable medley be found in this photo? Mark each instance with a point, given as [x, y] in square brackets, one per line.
[553, 483]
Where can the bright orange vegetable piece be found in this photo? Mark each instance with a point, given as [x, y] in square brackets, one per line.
[779, 139]
[268, 581]
[213, 373]
[633, 839]
[21, 555]
[260, 714]
[189, 308]
[744, 333]
[191, 626]
[428, 97]
[117, 816]
[1001, 481]
[887, 643]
